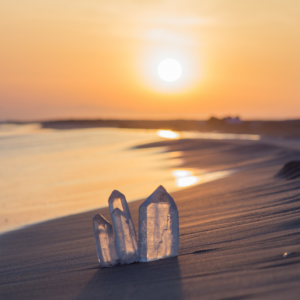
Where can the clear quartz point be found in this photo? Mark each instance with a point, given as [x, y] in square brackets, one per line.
[158, 227]
[126, 241]
[105, 242]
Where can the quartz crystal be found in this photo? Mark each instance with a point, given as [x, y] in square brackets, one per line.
[126, 242]
[158, 227]
[105, 242]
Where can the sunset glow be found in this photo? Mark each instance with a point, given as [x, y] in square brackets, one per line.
[91, 59]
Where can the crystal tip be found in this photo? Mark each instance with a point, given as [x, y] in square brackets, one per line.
[115, 194]
[99, 219]
[96, 217]
[161, 188]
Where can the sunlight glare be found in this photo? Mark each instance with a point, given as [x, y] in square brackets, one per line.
[182, 173]
[169, 70]
[186, 181]
[168, 134]
[184, 178]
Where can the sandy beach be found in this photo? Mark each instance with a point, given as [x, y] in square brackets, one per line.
[200, 97]
[233, 234]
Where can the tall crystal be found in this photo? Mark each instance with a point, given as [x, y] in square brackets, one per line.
[126, 241]
[105, 242]
[158, 226]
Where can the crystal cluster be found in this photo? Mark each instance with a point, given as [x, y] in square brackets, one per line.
[158, 230]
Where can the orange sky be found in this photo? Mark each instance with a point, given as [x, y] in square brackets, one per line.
[88, 58]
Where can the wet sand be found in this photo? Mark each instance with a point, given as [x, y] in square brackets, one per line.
[233, 233]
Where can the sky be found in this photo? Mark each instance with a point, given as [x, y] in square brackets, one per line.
[63, 59]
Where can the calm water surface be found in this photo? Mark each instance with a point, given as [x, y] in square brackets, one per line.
[47, 173]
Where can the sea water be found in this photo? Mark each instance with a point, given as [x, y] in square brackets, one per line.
[47, 173]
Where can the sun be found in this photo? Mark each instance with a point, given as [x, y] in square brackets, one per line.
[169, 70]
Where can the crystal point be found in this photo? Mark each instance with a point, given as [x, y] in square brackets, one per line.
[126, 241]
[105, 242]
[158, 226]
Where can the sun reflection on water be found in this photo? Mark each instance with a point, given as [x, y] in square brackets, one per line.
[185, 178]
[168, 134]
[186, 181]
[182, 173]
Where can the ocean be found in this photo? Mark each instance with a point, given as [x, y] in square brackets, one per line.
[47, 173]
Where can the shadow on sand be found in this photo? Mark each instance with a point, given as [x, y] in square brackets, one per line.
[154, 280]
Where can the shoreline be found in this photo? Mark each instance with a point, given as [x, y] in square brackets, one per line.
[68, 172]
[51, 174]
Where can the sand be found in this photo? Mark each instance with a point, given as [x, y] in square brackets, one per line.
[233, 234]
